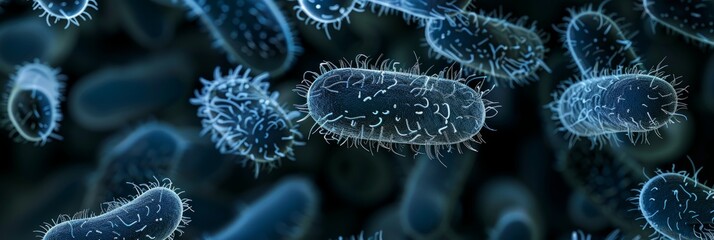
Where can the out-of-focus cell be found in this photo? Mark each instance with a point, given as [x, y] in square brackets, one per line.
[25, 39]
[115, 96]
[147, 22]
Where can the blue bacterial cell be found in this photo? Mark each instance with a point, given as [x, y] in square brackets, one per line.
[598, 41]
[68, 10]
[490, 44]
[632, 102]
[431, 193]
[377, 105]
[677, 206]
[25, 39]
[286, 212]
[245, 119]
[115, 96]
[326, 13]
[253, 33]
[31, 105]
[423, 9]
[514, 224]
[156, 212]
[152, 150]
[694, 19]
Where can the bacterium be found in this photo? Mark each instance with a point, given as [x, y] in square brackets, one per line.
[694, 19]
[598, 41]
[631, 101]
[431, 194]
[376, 236]
[31, 105]
[245, 119]
[381, 105]
[156, 212]
[68, 10]
[490, 44]
[115, 96]
[153, 150]
[286, 212]
[324, 13]
[253, 33]
[677, 206]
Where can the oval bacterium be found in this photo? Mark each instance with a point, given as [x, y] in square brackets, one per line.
[152, 150]
[598, 41]
[377, 105]
[624, 102]
[489, 44]
[69, 10]
[156, 212]
[32, 103]
[286, 212]
[677, 206]
[253, 33]
[245, 119]
[694, 19]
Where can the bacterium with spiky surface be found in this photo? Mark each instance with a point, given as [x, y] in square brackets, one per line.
[677, 206]
[625, 101]
[245, 119]
[31, 105]
[253, 33]
[380, 105]
[69, 10]
[156, 212]
[598, 41]
[490, 44]
[694, 19]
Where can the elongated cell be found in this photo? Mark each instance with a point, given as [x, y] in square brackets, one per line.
[382, 106]
[489, 44]
[694, 19]
[68, 10]
[598, 41]
[432, 192]
[677, 206]
[286, 212]
[253, 33]
[327, 13]
[152, 150]
[156, 212]
[424, 9]
[245, 119]
[31, 105]
[622, 102]
[115, 96]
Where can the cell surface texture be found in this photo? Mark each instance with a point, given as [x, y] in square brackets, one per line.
[623, 102]
[376, 105]
[424, 9]
[253, 33]
[68, 10]
[694, 19]
[677, 206]
[286, 212]
[31, 104]
[598, 41]
[245, 119]
[489, 44]
[152, 150]
[157, 212]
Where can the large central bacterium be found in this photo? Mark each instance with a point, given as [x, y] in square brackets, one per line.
[694, 19]
[488, 44]
[376, 105]
[629, 103]
[678, 206]
[253, 33]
